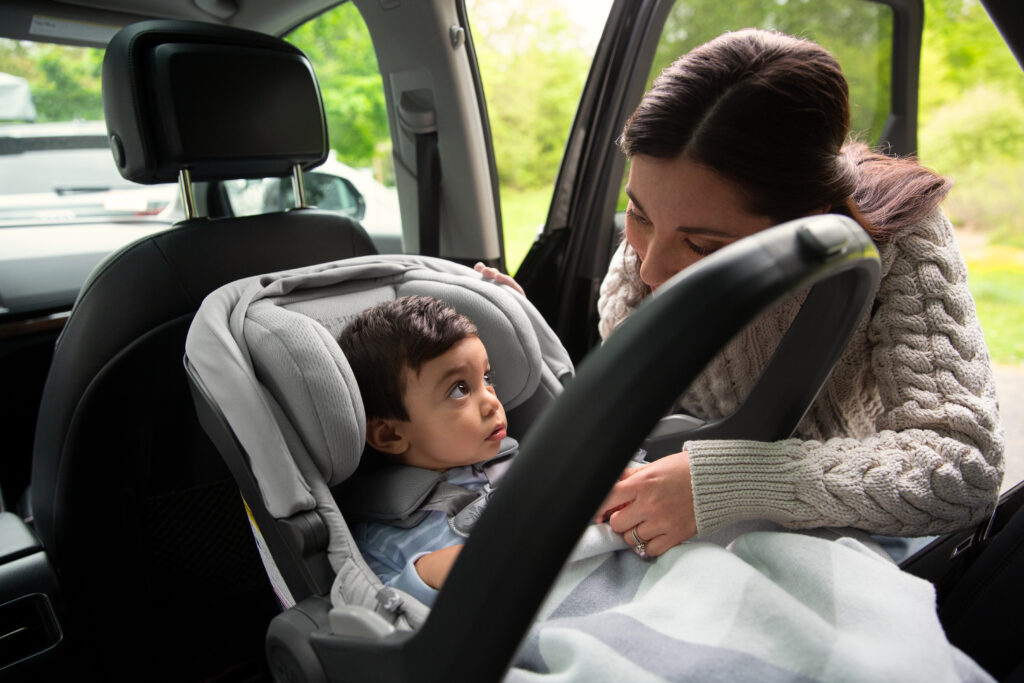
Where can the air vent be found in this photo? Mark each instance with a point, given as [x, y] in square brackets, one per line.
[27, 628]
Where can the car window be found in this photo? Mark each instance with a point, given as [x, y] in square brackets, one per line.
[533, 58]
[55, 165]
[357, 179]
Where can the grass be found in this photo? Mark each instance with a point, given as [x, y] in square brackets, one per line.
[996, 277]
[523, 212]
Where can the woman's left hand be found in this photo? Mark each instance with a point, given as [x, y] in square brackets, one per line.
[497, 276]
[657, 501]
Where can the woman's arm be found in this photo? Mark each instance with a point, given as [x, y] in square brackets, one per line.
[934, 463]
[928, 455]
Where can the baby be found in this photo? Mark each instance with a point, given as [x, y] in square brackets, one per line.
[430, 403]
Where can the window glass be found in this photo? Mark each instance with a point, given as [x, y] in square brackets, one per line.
[55, 165]
[357, 179]
[534, 56]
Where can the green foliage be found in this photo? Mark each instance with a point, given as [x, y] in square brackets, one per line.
[962, 50]
[981, 128]
[856, 33]
[339, 45]
[65, 81]
[533, 72]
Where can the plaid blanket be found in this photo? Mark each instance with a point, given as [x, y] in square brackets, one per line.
[765, 605]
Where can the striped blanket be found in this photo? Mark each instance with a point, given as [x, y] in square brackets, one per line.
[762, 605]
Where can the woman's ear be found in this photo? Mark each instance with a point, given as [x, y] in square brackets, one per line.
[383, 436]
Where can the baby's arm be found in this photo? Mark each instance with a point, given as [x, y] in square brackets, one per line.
[433, 567]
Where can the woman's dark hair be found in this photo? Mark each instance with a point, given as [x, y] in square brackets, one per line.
[770, 113]
[382, 341]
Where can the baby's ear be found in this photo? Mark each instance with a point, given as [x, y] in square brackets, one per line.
[382, 435]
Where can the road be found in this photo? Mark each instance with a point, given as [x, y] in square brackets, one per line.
[1010, 388]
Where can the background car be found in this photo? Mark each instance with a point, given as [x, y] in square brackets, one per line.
[332, 186]
[62, 172]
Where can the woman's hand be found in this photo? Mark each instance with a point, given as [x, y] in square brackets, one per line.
[434, 567]
[498, 277]
[657, 501]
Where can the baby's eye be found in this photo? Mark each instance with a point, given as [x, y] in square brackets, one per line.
[489, 378]
[459, 390]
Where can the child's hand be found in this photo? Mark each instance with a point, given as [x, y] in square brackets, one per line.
[498, 277]
[434, 568]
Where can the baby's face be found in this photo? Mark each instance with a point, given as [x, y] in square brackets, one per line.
[455, 417]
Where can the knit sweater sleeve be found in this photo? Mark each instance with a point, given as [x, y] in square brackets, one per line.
[934, 463]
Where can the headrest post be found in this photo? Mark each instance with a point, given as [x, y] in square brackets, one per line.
[298, 188]
[188, 199]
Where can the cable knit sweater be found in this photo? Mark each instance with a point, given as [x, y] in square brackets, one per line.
[904, 438]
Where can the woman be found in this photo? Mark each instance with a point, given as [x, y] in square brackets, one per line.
[742, 133]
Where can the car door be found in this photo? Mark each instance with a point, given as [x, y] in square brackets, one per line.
[878, 42]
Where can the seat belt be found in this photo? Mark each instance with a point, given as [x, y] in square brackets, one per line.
[417, 116]
[428, 188]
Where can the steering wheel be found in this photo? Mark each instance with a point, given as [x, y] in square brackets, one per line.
[574, 453]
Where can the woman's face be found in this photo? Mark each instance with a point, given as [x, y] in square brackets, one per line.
[680, 211]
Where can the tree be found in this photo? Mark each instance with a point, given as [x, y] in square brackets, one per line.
[65, 81]
[339, 46]
[533, 68]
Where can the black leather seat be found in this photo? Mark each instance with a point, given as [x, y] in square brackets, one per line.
[135, 508]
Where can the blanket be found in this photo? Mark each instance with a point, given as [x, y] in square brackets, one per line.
[749, 604]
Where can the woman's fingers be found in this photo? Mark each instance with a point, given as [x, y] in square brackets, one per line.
[617, 499]
[498, 277]
[657, 500]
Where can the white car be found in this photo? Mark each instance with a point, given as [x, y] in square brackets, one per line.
[332, 186]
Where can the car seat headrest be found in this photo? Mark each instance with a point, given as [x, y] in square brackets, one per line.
[305, 371]
[223, 102]
[295, 355]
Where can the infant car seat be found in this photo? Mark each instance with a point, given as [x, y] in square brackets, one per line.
[276, 387]
[275, 393]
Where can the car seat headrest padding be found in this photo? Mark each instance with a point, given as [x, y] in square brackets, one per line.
[303, 367]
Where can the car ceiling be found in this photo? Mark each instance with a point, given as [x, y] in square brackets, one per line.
[268, 16]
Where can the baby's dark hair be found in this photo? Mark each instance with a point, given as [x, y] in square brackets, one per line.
[383, 340]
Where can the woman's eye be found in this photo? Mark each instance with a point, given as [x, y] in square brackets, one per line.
[459, 390]
[698, 249]
[633, 215]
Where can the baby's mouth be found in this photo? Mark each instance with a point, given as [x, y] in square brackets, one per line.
[498, 434]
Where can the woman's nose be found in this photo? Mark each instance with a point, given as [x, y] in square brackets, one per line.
[659, 263]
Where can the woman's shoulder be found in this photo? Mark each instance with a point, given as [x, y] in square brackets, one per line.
[930, 239]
